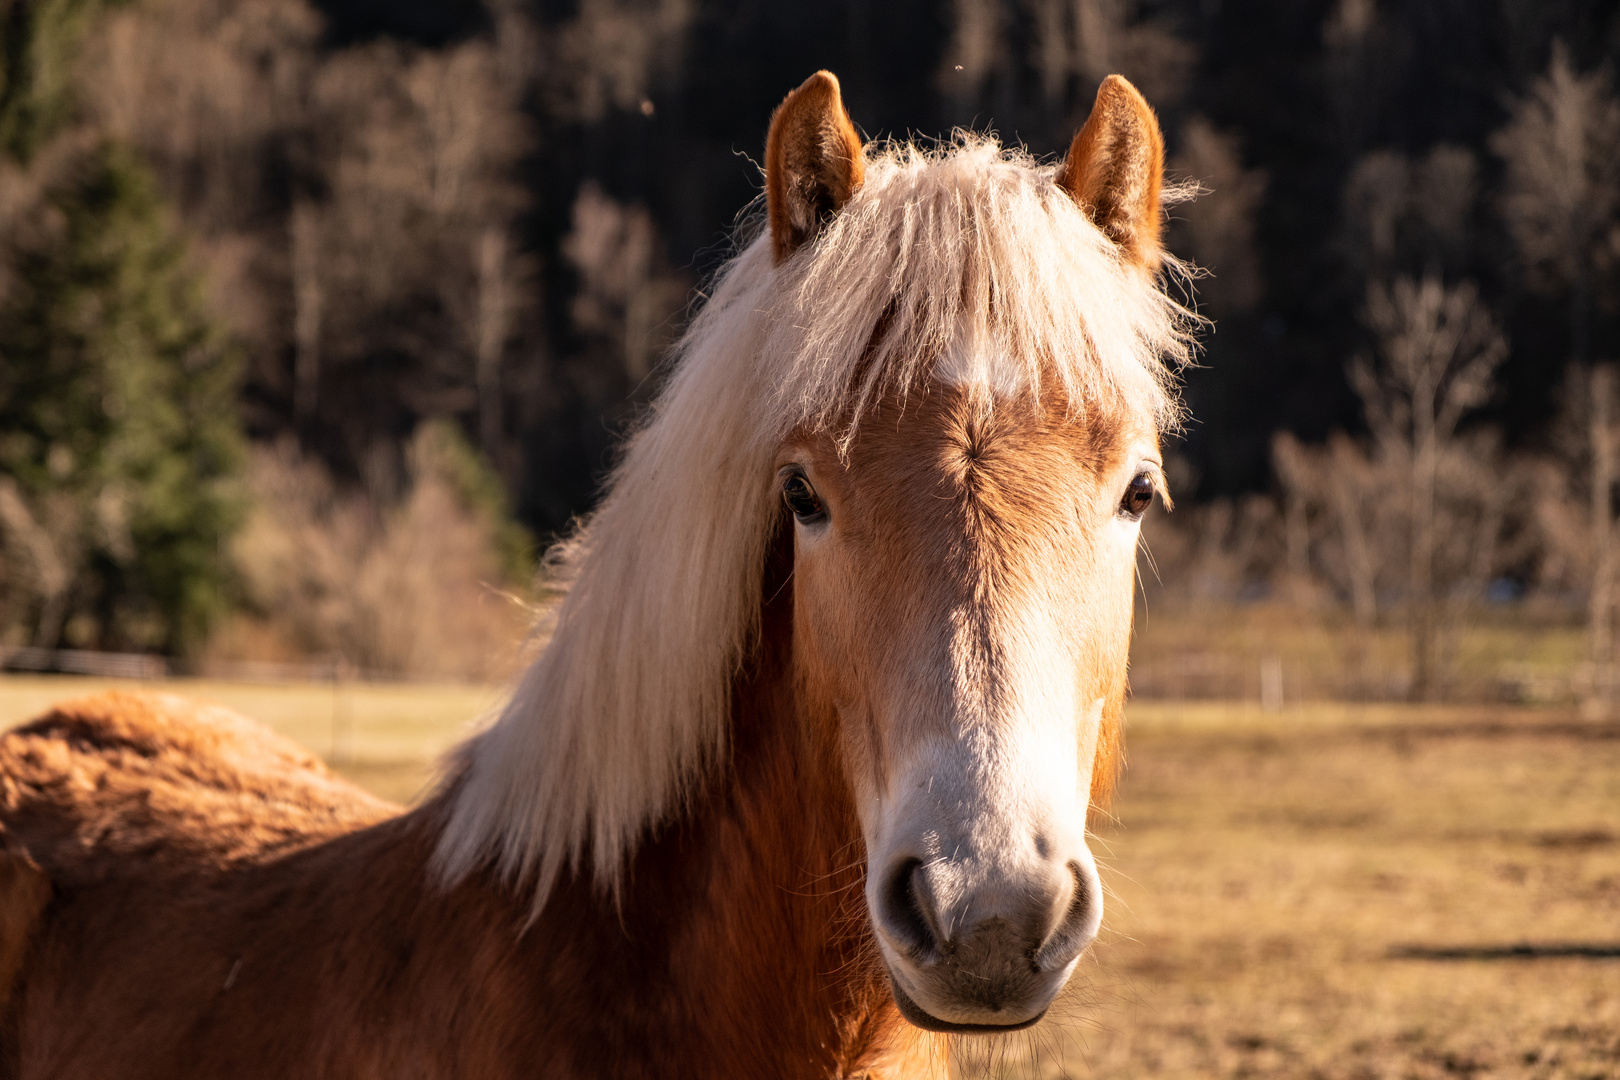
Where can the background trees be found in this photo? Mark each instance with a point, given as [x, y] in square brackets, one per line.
[118, 410]
[490, 215]
[119, 443]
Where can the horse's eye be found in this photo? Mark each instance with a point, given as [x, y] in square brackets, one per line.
[801, 499]
[1137, 497]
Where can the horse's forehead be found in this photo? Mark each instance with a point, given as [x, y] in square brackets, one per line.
[947, 465]
[956, 438]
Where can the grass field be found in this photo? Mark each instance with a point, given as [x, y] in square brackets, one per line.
[1354, 893]
[1332, 892]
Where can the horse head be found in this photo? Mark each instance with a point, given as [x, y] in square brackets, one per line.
[963, 567]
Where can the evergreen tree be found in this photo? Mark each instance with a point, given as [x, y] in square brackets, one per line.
[119, 438]
[39, 42]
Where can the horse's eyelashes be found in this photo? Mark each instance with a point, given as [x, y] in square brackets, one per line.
[801, 498]
[1137, 497]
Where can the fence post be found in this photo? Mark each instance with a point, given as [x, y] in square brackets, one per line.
[342, 726]
[1271, 684]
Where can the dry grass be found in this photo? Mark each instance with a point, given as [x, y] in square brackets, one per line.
[1265, 872]
[1520, 654]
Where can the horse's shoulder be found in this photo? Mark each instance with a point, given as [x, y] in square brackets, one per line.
[24, 892]
[175, 783]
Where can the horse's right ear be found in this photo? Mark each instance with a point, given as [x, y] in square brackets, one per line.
[812, 162]
[1115, 169]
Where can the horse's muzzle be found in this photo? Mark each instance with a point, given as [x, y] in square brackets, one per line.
[988, 959]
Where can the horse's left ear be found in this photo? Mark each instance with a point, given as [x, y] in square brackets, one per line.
[1115, 169]
[812, 162]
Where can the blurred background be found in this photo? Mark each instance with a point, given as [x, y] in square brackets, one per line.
[319, 319]
[285, 282]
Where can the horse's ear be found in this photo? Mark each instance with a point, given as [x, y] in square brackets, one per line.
[1115, 168]
[812, 162]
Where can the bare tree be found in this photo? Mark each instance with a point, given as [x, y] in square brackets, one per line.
[1353, 488]
[404, 583]
[1444, 191]
[1217, 229]
[340, 197]
[1074, 44]
[1575, 514]
[1562, 185]
[305, 229]
[1480, 496]
[1340, 491]
[1344, 500]
[1404, 216]
[1603, 435]
[628, 294]
[1356, 67]
[1561, 200]
[1298, 472]
[613, 54]
[494, 314]
[1440, 348]
[975, 47]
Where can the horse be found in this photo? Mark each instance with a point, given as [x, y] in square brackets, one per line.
[798, 786]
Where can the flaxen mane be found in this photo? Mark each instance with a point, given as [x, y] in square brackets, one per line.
[970, 258]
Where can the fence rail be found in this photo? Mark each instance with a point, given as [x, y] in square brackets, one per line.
[84, 662]
[1273, 680]
[1208, 676]
[118, 665]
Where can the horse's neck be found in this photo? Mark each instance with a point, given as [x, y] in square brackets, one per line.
[740, 941]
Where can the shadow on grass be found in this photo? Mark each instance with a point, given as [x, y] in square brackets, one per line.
[1521, 951]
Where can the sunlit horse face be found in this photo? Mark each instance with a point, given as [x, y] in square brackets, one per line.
[962, 601]
[962, 590]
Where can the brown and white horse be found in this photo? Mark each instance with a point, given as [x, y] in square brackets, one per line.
[804, 771]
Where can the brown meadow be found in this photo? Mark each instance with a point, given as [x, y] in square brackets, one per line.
[1332, 892]
[1346, 893]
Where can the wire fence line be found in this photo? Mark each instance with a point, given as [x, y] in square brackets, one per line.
[1272, 680]
[146, 666]
[1269, 680]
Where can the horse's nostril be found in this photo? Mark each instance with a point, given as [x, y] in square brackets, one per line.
[905, 909]
[1079, 924]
